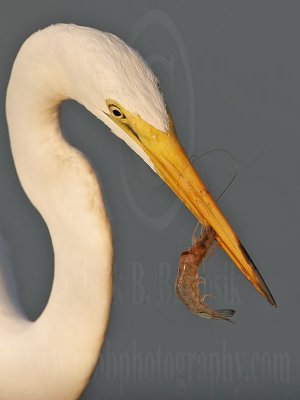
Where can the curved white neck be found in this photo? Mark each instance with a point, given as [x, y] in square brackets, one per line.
[53, 357]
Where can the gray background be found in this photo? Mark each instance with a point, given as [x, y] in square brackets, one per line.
[230, 71]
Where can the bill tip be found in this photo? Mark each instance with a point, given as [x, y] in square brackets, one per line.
[262, 287]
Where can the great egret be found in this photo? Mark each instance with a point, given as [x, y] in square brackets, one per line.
[53, 357]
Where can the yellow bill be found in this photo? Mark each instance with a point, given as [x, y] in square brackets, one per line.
[173, 166]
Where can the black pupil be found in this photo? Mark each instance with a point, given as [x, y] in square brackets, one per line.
[117, 113]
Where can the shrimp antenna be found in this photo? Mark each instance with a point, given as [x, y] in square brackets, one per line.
[195, 158]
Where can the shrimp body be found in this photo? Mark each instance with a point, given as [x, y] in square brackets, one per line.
[187, 282]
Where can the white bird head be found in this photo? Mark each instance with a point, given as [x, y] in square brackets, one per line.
[115, 83]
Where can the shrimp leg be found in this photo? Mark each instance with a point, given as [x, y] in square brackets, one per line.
[187, 282]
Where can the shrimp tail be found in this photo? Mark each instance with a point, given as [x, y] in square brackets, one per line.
[225, 314]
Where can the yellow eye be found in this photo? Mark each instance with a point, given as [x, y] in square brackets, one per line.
[116, 112]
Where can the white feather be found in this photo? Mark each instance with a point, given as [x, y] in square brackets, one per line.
[53, 357]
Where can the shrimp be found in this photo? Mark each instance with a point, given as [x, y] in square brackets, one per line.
[187, 282]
